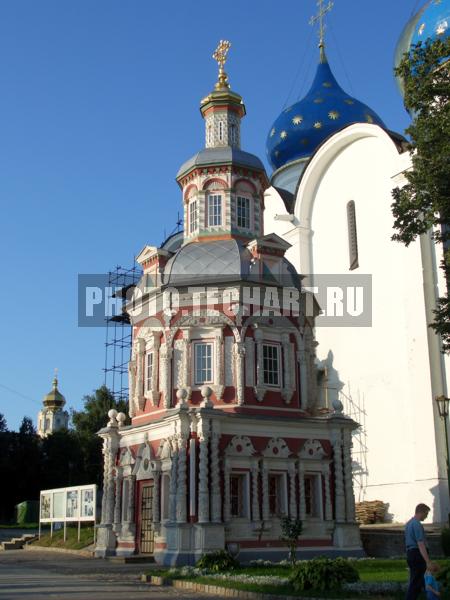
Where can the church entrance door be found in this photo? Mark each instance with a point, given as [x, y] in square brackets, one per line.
[146, 533]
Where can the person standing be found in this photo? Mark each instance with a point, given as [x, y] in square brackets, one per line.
[416, 551]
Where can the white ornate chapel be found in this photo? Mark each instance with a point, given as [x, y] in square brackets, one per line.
[227, 434]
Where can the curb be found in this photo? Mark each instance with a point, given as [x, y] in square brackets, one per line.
[216, 590]
[36, 548]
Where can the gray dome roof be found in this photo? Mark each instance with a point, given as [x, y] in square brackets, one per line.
[222, 155]
[222, 261]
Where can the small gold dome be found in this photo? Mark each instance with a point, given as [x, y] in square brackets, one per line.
[54, 399]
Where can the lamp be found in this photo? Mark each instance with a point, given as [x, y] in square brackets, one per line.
[443, 404]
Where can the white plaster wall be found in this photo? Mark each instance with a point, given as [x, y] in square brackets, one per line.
[385, 366]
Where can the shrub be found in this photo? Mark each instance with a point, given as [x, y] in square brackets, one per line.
[323, 574]
[291, 530]
[445, 540]
[217, 561]
[444, 575]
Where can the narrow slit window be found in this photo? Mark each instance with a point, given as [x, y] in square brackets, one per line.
[193, 216]
[149, 371]
[352, 236]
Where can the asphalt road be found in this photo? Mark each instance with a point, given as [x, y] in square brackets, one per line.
[31, 575]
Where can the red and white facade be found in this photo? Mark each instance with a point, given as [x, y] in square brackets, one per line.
[227, 434]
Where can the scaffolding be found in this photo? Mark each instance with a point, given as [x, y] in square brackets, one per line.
[118, 331]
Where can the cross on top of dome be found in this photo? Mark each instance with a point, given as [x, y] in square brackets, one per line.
[319, 18]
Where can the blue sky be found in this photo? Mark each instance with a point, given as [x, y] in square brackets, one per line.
[99, 106]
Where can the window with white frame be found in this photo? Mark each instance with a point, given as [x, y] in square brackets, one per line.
[243, 212]
[193, 216]
[312, 484]
[203, 361]
[148, 370]
[214, 210]
[271, 364]
[277, 494]
[239, 495]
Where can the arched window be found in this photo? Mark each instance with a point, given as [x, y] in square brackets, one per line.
[352, 236]
[193, 216]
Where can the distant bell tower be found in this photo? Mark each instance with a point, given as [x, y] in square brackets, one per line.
[52, 417]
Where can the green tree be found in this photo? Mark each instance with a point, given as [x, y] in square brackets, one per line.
[423, 204]
[291, 530]
[3, 424]
[88, 422]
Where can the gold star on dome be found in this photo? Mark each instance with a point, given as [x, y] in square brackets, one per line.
[442, 27]
[421, 28]
[369, 118]
[318, 101]
[304, 141]
[283, 135]
[272, 132]
[349, 101]
[327, 84]
[333, 114]
[317, 125]
[297, 119]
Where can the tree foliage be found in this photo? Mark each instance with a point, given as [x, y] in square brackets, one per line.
[423, 204]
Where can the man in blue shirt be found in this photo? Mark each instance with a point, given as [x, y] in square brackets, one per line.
[416, 551]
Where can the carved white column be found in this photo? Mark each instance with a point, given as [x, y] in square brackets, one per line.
[348, 476]
[301, 491]
[154, 392]
[239, 357]
[265, 492]
[292, 491]
[181, 509]
[216, 498]
[110, 447]
[328, 507]
[302, 359]
[165, 356]
[339, 497]
[227, 492]
[288, 377]
[118, 499]
[203, 479]
[219, 366]
[173, 482]
[140, 354]
[260, 389]
[156, 496]
[131, 500]
[186, 362]
[131, 387]
[255, 493]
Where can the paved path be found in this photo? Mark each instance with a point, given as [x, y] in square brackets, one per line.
[44, 575]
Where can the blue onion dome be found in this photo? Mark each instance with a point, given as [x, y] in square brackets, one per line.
[304, 126]
[431, 22]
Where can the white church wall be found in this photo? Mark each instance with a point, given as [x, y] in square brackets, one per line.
[386, 364]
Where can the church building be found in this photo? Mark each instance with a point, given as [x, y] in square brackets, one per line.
[335, 164]
[52, 417]
[228, 434]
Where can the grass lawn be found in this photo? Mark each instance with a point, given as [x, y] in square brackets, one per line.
[19, 526]
[370, 570]
[72, 543]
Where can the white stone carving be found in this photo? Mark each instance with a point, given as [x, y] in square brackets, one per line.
[328, 507]
[292, 491]
[339, 497]
[277, 448]
[255, 492]
[173, 481]
[240, 445]
[216, 500]
[181, 487]
[348, 476]
[228, 360]
[301, 491]
[203, 479]
[312, 449]
[249, 362]
[265, 492]
[239, 351]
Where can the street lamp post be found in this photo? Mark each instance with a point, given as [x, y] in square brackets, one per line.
[443, 404]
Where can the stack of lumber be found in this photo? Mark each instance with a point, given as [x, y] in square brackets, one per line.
[370, 511]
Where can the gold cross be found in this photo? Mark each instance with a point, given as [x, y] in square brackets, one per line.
[323, 10]
[220, 55]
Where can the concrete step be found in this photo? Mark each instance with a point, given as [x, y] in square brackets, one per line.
[133, 559]
[12, 545]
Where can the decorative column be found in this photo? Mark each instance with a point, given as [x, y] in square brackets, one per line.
[132, 385]
[216, 498]
[140, 351]
[118, 500]
[302, 359]
[106, 539]
[328, 507]
[181, 507]
[203, 480]
[265, 492]
[165, 356]
[219, 366]
[239, 357]
[186, 362]
[260, 389]
[301, 491]
[173, 482]
[287, 389]
[156, 497]
[227, 494]
[255, 493]
[154, 392]
[339, 498]
[348, 477]
[292, 491]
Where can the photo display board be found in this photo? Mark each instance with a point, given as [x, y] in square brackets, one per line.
[77, 503]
